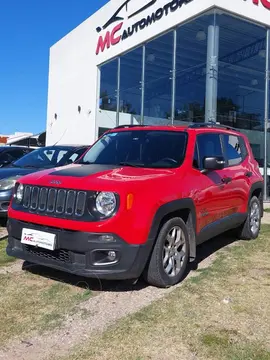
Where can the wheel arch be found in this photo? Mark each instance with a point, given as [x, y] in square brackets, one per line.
[257, 190]
[183, 208]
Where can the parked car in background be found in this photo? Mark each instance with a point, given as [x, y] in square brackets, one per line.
[8, 154]
[39, 159]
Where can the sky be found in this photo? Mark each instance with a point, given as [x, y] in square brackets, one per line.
[28, 28]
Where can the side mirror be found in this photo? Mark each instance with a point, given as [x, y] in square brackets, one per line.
[214, 163]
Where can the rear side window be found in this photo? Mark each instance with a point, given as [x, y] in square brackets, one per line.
[234, 149]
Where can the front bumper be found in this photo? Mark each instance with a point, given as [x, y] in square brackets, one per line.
[81, 253]
[5, 198]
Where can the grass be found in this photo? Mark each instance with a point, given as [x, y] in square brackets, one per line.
[30, 302]
[4, 258]
[194, 321]
[267, 210]
[34, 303]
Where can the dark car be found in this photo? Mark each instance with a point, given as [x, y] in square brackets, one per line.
[39, 159]
[8, 154]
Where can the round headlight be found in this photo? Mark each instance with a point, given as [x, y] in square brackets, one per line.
[19, 193]
[106, 203]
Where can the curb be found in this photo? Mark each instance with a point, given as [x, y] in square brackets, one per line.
[3, 236]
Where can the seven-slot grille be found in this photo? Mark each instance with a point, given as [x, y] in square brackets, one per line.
[52, 201]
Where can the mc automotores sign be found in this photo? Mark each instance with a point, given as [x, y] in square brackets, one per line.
[120, 33]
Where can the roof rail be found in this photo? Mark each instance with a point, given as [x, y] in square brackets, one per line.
[128, 126]
[211, 125]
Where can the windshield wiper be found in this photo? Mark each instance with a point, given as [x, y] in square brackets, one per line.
[85, 163]
[131, 164]
[30, 167]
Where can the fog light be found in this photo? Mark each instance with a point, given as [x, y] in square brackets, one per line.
[107, 238]
[111, 255]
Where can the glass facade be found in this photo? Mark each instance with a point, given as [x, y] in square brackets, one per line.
[212, 68]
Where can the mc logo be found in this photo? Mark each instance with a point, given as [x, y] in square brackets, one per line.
[28, 238]
[109, 39]
[265, 3]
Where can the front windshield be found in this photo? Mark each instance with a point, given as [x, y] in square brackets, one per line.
[48, 157]
[147, 148]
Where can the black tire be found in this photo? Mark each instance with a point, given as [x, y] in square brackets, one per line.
[155, 273]
[245, 231]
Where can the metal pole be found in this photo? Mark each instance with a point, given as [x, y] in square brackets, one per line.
[212, 74]
[266, 113]
[118, 92]
[143, 85]
[174, 75]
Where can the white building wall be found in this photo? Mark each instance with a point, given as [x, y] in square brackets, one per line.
[74, 76]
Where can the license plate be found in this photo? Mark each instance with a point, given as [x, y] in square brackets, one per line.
[38, 238]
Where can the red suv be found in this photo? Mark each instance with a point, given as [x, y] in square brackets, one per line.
[138, 203]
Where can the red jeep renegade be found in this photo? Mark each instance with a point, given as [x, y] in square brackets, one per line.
[138, 203]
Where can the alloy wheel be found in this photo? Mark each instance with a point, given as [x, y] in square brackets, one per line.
[174, 251]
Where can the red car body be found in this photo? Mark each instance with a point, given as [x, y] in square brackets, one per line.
[217, 200]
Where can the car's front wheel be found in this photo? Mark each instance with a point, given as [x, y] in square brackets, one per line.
[170, 255]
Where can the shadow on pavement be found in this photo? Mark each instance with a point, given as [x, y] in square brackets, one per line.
[3, 222]
[203, 252]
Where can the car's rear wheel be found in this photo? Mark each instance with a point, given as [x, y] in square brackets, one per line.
[170, 255]
[251, 227]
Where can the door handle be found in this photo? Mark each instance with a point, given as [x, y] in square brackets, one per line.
[226, 180]
[248, 174]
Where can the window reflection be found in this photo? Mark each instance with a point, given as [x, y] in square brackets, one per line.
[191, 69]
[108, 86]
[158, 84]
[240, 101]
[130, 82]
[240, 78]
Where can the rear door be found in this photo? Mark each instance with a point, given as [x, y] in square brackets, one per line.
[237, 171]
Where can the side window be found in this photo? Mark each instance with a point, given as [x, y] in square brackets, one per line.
[233, 149]
[16, 154]
[208, 145]
[6, 157]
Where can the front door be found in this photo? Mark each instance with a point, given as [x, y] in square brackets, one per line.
[211, 193]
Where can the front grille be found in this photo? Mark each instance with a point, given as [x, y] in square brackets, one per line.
[58, 255]
[54, 202]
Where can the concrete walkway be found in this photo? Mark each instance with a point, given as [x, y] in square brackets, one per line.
[3, 233]
[266, 218]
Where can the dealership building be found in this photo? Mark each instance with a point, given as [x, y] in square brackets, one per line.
[162, 62]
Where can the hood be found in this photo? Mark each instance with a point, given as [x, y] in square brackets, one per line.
[7, 172]
[95, 176]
